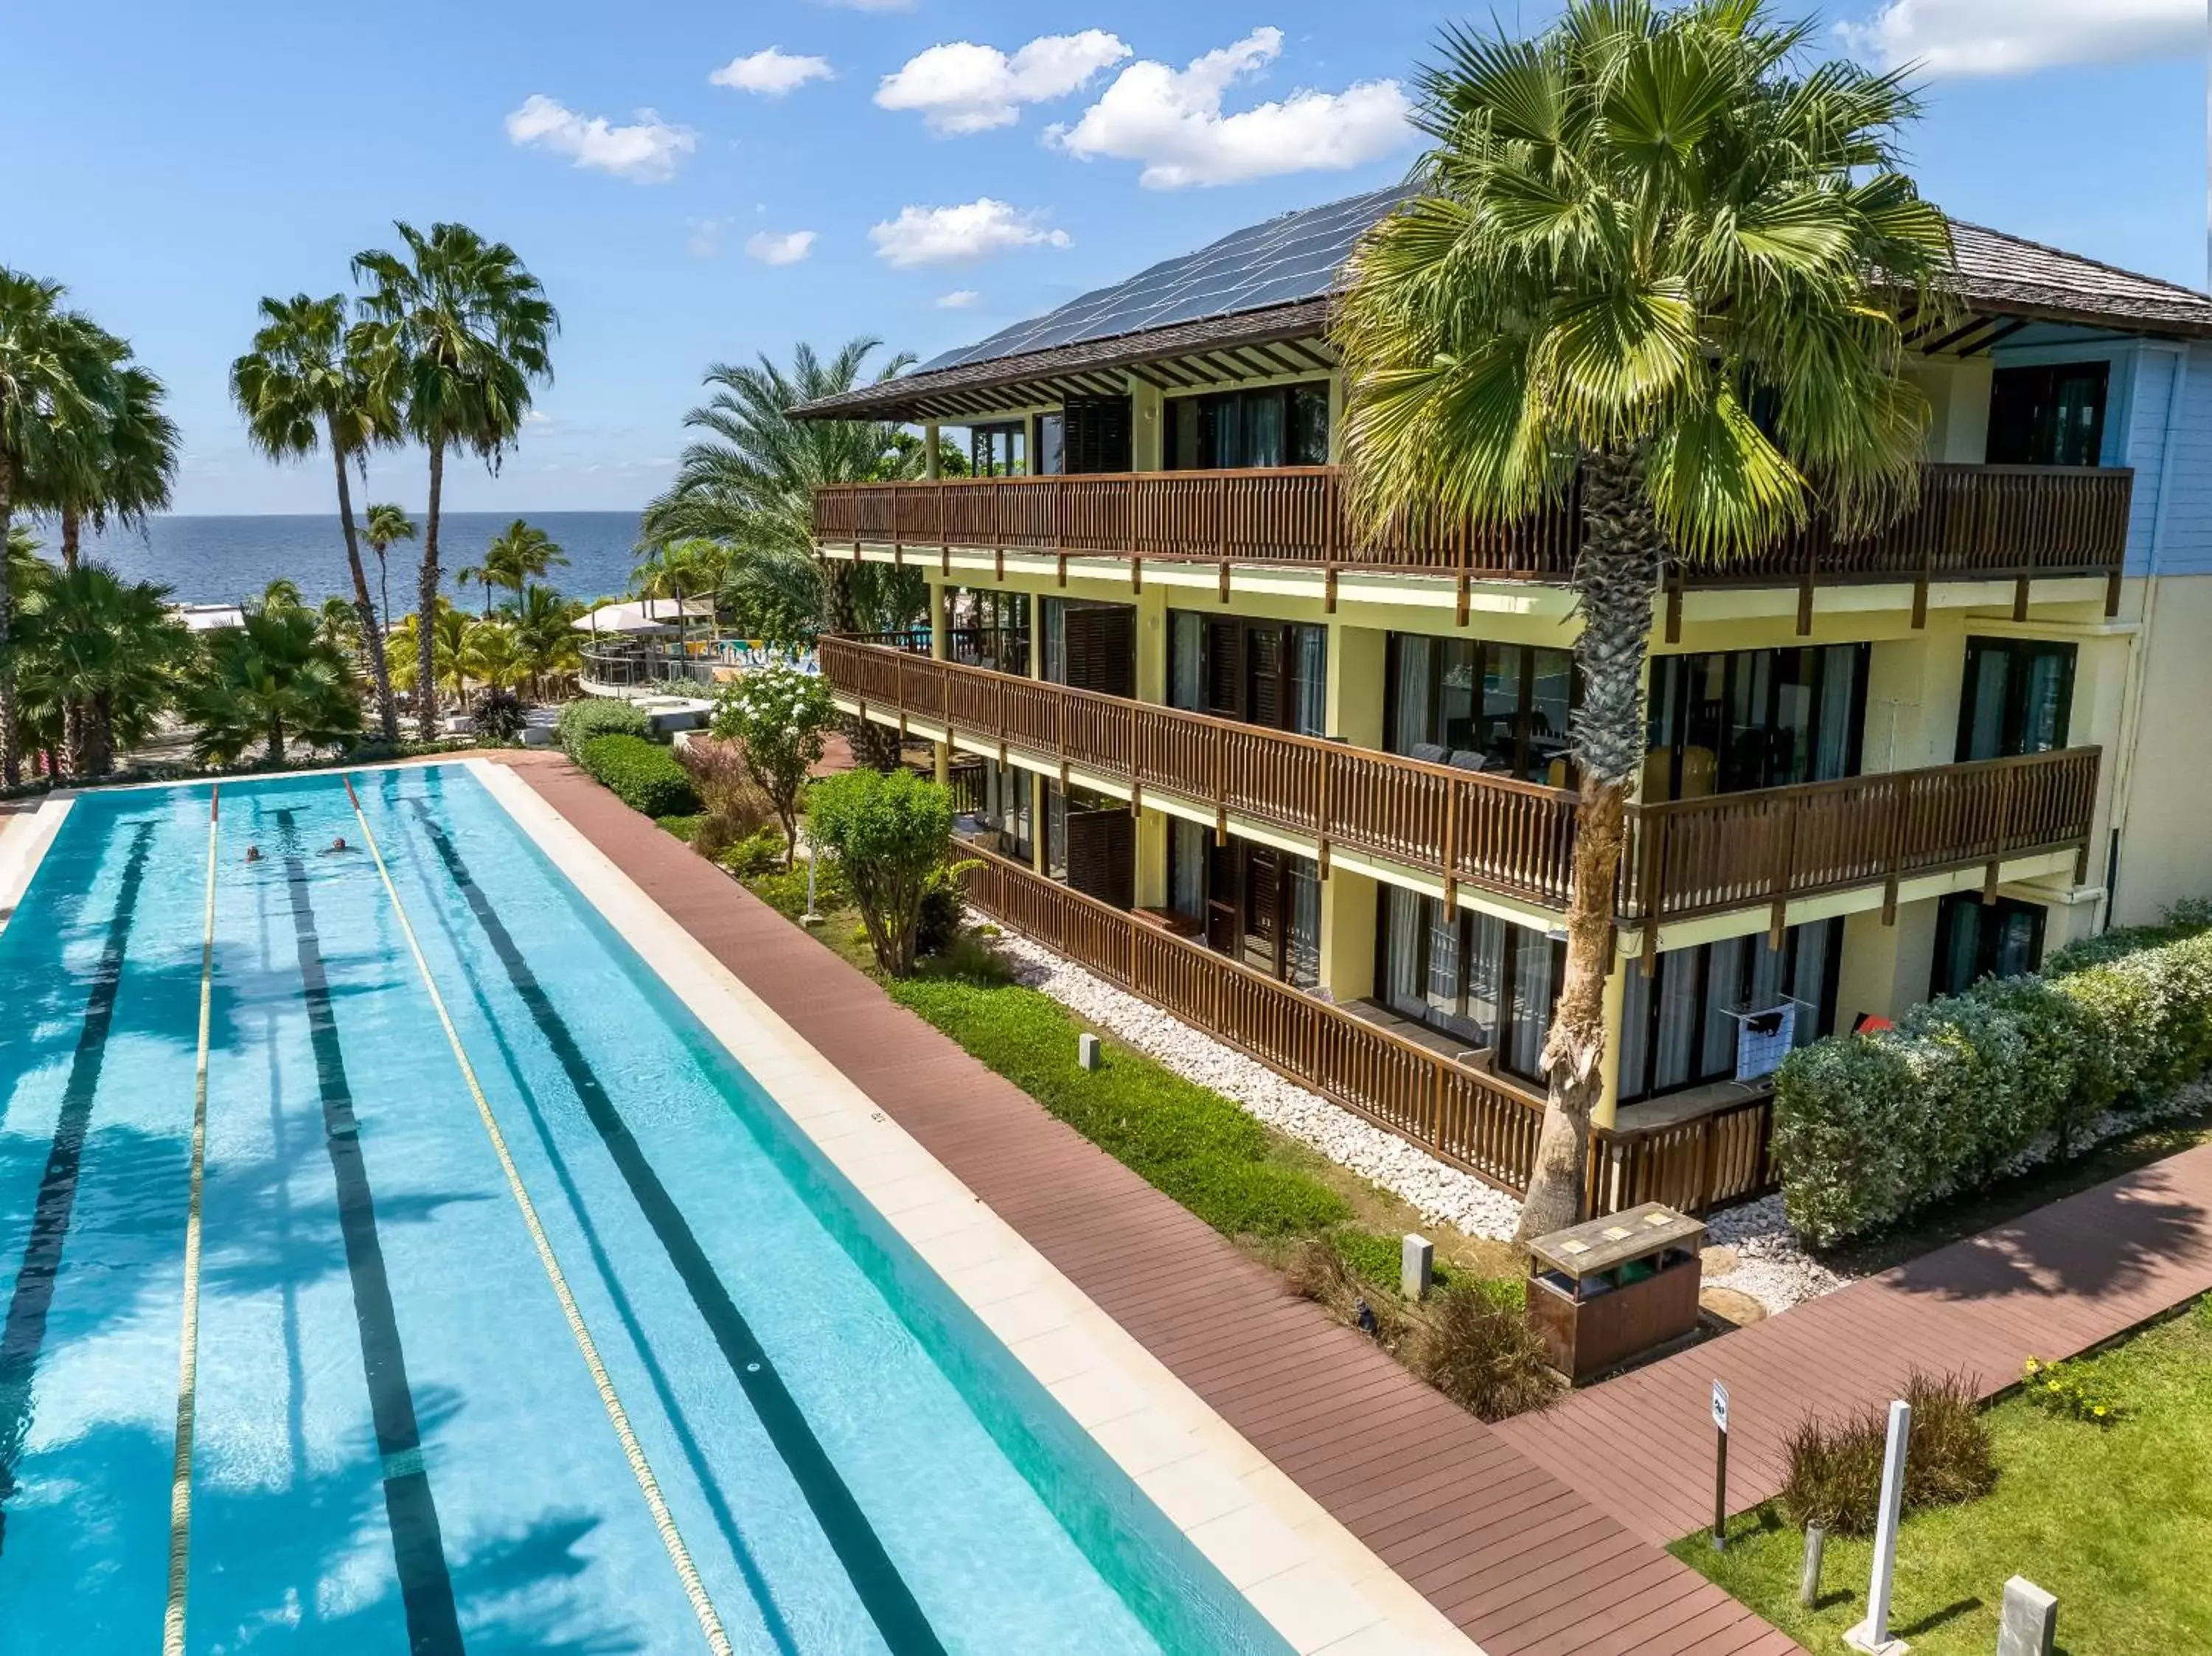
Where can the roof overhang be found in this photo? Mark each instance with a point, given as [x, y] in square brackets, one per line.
[1280, 340]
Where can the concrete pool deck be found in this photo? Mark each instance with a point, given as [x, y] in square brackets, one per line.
[1360, 1511]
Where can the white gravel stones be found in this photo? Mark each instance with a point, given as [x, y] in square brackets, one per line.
[1772, 1266]
[1438, 1191]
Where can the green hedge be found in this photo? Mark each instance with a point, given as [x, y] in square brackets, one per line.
[579, 721]
[643, 774]
[1867, 1129]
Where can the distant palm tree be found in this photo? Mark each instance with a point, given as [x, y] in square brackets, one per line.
[492, 655]
[47, 396]
[282, 592]
[271, 682]
[1642, 262]
[459, 333]
[518, 554]
[302, 384]
[93, 642]
[340, 626]
[386, 525]
[545, 633]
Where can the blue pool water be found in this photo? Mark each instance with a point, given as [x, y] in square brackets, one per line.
[398, 1445]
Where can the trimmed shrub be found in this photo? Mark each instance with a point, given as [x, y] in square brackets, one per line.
[1869, 1128]
[1835, 1470]
[579, 721]
[643, 774]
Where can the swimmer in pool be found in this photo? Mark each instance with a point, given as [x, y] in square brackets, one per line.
[253, 853]
[337, 846]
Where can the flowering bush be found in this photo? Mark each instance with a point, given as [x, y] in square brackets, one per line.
[2059, 1389]
[1869, 1127]
[779, 719]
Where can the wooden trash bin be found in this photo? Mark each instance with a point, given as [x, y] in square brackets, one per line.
[1605, 1290]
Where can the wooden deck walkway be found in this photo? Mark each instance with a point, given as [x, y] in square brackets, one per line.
[2051, 1284]
[1525, 1564]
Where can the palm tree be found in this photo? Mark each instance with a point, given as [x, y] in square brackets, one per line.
[339, 625]
[460, 332]
[93, 642]
[1642, 263]
[302, 384]
[270, 683]
[386, 525]
[748, 481]
[282, 592]
[492, 655]
[545, 633]
[44, 403]
[520, 553]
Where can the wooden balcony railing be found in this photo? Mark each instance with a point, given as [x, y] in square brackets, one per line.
[1971, 521]
[1685, 858]
[1482, 1122]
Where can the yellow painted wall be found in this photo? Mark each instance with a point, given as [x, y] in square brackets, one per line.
[2166, 806]
[1347, 935]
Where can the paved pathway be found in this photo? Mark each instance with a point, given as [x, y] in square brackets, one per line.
[1524, 1564]
[2050, 1285]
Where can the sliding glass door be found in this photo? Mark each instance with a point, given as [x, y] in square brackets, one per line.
[1483, 981]
[1728, 721]
[1679, 1025]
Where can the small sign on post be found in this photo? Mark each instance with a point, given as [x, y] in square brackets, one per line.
[1720, 1466]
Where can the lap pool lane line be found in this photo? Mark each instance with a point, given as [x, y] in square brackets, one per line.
[24, 1335]
[188, 1343]
[679, 1555]
[426, 1585]
[889, 1602]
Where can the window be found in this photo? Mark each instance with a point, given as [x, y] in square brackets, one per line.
[1258, 905]
[1976, 940]
[1000, 450]
[2017, 698]
[1724, 722]
[1483, 981]
[1052, 444]
[1677, 1026]
[1006, 808]
[1095, 434]
[1277, 426]
[1270, 673]
[2053, 416]
[1089, 646]
[1502, 707]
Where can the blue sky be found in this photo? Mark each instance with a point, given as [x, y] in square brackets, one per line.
[172, 164]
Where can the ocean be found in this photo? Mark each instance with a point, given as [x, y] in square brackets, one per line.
[223, 559]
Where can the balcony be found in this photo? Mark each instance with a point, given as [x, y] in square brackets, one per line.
[1685, 858]
[1973, 522]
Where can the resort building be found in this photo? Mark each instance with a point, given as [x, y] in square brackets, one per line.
[1319, 787]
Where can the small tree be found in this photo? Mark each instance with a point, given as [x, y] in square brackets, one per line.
[891, 833]
[779, 717]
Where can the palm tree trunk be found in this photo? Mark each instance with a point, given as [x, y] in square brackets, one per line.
[384, 604]
[275, 742]
[372, 631]
[11, 764]
[100, 734]
[73, 738]
[426, 657]
[1616, 580]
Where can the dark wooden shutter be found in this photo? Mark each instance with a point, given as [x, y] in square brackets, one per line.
[1264, 700]
[1225, 669]
[1102, 648]
[1097, 434]
[1102, 855]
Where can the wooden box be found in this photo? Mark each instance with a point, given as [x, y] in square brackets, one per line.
[1603, 1291]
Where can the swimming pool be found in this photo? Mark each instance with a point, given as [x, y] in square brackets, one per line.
[525, 1321]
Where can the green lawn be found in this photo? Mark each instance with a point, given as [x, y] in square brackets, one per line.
[2116, 1520]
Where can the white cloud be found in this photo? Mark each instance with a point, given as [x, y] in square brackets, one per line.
[959, 235]
[1171, 121]
[772, 71]
[965, 87]
[2012, 37]
[960, 299]
[705, 238]
[648, 152]
[537, 418]
[779, 246]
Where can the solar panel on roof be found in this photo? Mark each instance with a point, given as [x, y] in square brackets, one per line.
[1291, 257]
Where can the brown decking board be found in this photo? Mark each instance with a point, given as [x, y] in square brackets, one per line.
[1320, 1402]
[2050, 1285]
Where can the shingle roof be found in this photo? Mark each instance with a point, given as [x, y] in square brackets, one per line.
[1271, 280]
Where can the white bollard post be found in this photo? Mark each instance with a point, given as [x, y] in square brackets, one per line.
[1872, 1635]
[1086, 1051]
[1416, 1261]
